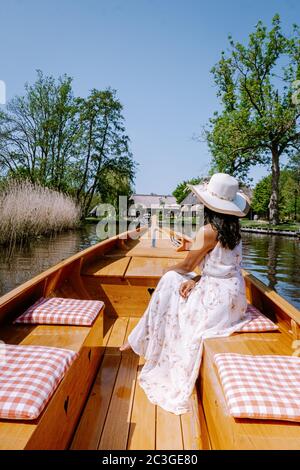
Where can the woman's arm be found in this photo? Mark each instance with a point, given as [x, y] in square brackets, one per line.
[206, 241]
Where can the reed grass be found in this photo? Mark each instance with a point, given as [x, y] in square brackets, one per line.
[28, 211]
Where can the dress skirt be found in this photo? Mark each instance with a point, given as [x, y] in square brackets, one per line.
[170, 334]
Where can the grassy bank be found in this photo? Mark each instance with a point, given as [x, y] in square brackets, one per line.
[294, 227]
[28, 211]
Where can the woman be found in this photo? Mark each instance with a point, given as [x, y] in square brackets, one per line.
[184, 310]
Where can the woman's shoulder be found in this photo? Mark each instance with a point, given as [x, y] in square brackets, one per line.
[205, 236]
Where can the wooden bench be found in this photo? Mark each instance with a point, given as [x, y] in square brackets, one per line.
[55, 427]
[125, 283]
[226, 432]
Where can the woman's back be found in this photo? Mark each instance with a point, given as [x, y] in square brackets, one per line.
[222, 262]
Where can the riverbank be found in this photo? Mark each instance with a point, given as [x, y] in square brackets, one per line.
[257, 226]
[29, 211]
[269, 231]
[263, 224]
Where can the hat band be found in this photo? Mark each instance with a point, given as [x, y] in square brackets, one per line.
[220, 197]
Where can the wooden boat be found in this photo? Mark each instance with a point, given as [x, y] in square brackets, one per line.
[99, 404]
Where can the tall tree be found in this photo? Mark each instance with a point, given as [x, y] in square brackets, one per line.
[261, 196]
[259, 121]
[75, 145]
[40, 132]
[293, 186]
[289, 194]
[181, 190]
[105, 146]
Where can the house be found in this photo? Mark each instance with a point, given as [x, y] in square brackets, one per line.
[140, 204]
[191, 205]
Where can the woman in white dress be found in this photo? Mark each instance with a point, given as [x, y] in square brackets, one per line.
[185, 309]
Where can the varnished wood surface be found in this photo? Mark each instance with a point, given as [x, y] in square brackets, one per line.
[161, 252]
[107, 266]
[243, 433]
[54, 428]
[148, 266]
[123, 416]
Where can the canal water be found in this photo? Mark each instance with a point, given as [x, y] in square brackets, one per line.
[275, 260]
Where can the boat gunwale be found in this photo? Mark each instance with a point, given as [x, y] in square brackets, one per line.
[22, 288]
[283, 305]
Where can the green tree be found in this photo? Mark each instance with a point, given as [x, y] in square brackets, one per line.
[181, 190]
[75, 145]
[259, 121]
[40, 132]
[289, 195]
[294, 167]
[104, 149]
[290, 189]
[261, 196]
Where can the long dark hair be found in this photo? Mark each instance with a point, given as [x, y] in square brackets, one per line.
[227, 227]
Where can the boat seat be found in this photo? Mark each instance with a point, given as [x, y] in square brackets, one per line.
[106, 266]
[55, 427]
[126, 283]
[143, 267]
[225, 431]
[162, 252]
[153, 268]
[29, 377]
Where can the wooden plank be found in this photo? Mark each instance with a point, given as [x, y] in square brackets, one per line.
[168, 431]
[148, 251]
[190, 423]
[92, 421]
[89, 430]
[142, 425]
[148, 267]
[14, 436]
[107, 328]
[205, 439]
[117, 336]
[120, 300]
[116, 428]
[107, 266]
[69, 337]
[132, 322]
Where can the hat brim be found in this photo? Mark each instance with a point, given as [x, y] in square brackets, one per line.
[239, 206]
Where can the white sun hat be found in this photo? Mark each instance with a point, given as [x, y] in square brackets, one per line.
[222, 195]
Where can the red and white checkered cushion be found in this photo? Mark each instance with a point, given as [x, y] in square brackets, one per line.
[261, 387]
[29, 376]
[60, 311]
[258, 322]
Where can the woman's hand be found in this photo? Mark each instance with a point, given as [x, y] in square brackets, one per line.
[186, 288]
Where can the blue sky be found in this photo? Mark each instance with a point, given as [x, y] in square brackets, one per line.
[157, 54]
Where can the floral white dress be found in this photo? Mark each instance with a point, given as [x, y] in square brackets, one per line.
[170, 333]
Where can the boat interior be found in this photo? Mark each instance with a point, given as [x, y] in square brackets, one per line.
[99, 403]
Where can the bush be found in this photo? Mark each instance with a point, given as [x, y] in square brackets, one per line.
[28, 210]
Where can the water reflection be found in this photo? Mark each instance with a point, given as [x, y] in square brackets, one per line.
[41, 254]
[274, 260]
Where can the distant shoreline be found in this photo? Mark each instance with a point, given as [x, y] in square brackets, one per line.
[291, 233]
